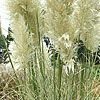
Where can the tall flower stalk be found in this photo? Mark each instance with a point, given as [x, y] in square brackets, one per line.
[59, 28]
[27, 24]
[24, 25]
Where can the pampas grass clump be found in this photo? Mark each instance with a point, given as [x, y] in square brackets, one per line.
[65, 22]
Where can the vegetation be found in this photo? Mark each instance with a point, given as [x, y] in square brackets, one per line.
[63, 67]
[3, 53]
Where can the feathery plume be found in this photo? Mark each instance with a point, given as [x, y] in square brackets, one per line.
[20, 47]
[59, 28]
[87, 21]
[30, 10]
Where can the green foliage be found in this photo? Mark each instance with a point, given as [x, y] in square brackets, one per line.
[3, 52]
[1, 43]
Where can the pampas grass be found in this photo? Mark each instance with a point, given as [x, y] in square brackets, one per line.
[86, 20]
[37, 77]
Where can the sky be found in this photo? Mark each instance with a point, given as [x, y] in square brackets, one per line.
[43, 1]
[5, 18]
